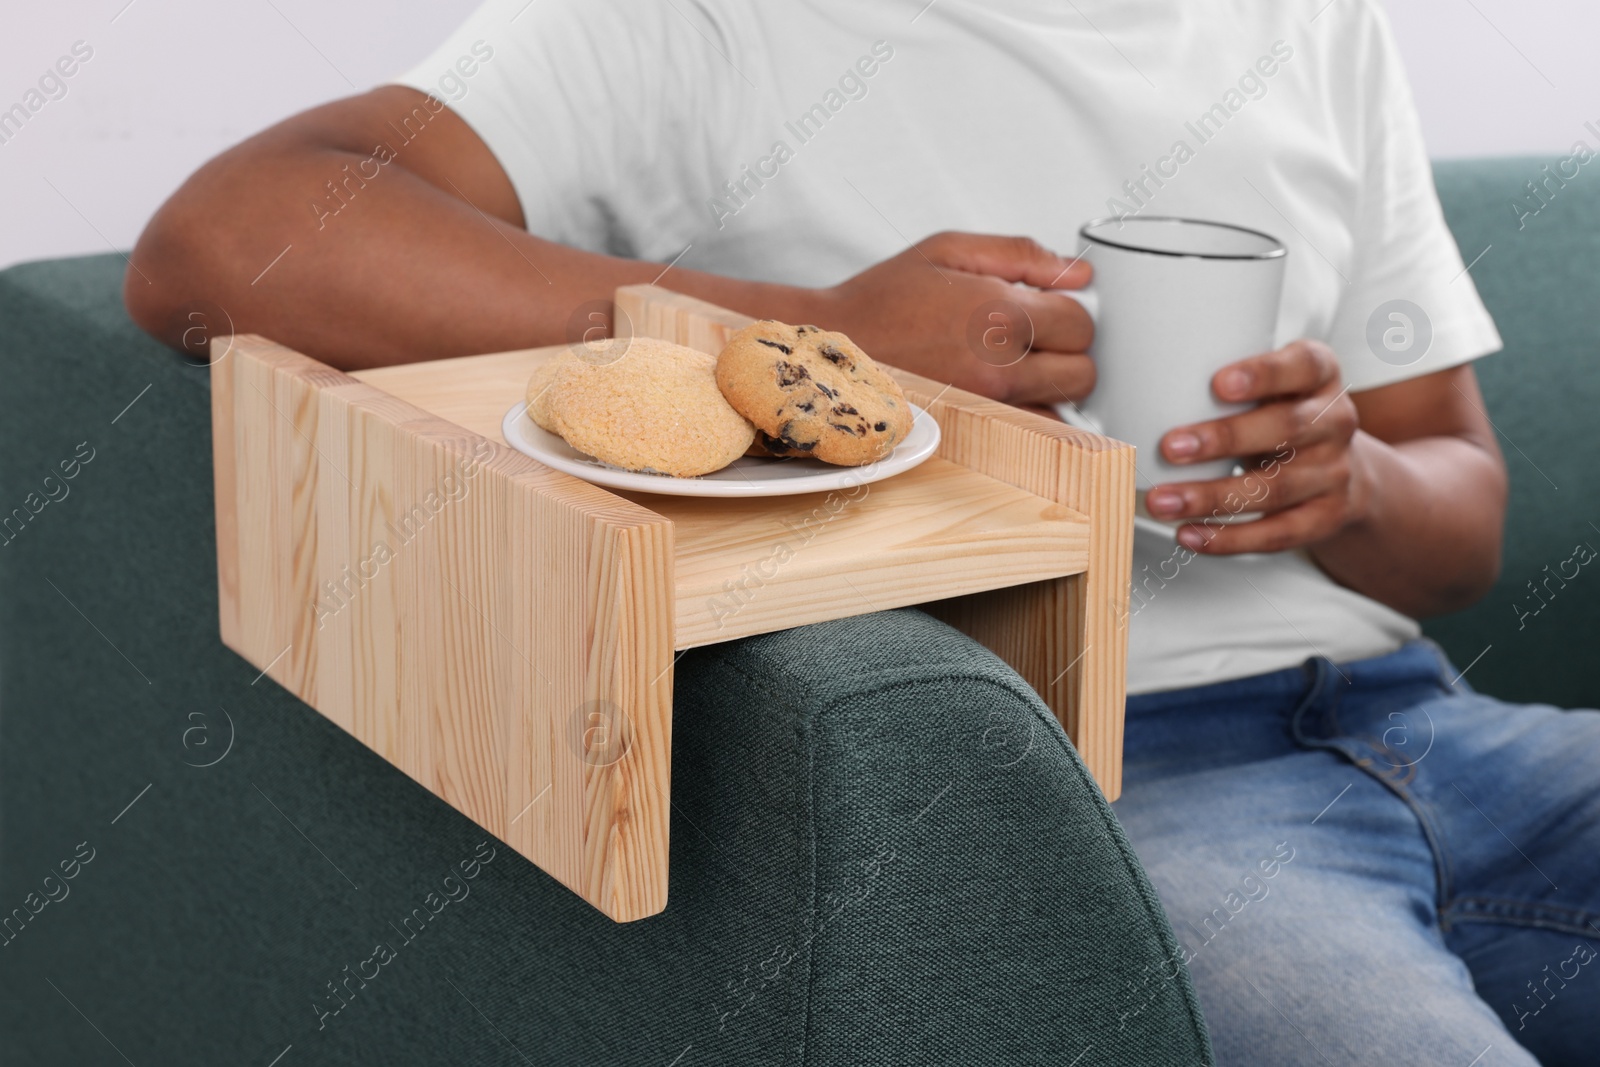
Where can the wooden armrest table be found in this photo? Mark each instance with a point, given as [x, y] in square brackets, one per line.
[505, 633]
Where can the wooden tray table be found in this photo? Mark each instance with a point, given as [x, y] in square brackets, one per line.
[505, 633]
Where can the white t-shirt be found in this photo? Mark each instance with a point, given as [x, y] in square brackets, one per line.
[801, 142]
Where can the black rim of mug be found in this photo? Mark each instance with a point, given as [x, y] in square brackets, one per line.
[1278, 250]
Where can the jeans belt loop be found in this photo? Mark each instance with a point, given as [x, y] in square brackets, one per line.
[1318, 696]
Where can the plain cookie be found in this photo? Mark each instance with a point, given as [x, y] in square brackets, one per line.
[641, 404]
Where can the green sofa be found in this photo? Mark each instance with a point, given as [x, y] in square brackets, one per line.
[883, 849]
[1540, 277]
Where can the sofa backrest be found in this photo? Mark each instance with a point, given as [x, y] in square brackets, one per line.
[1540, 277]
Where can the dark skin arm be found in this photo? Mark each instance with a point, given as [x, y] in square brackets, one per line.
[428, 259]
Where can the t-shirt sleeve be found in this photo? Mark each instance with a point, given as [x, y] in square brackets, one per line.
[605, 114]
[1411, 307]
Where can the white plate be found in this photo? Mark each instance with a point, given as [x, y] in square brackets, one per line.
[747, 476]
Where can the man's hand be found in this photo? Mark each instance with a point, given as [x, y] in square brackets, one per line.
[1301, 449]
[1397, 492]
[946, 308]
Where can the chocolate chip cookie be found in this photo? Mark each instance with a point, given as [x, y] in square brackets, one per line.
[812, 392]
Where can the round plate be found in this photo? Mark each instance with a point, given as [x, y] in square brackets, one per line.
[746, 476]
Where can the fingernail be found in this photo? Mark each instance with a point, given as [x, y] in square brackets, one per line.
[1182, 444]
[1234, 382]
[1189, 537]
[1163, 501]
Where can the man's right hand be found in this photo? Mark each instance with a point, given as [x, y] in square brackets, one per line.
[946, 308]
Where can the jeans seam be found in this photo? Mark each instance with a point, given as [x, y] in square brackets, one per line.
[1587, 928]
[1444, 874]
[1446, 683]
[1441, 859]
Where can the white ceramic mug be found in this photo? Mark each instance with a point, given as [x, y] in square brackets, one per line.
[1174, 301]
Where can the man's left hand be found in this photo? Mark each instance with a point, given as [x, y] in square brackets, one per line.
[1301, 449]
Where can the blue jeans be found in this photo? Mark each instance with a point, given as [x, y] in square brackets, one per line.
[1371, 863]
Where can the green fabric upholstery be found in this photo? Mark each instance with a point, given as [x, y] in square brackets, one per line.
[883, 849]
[1542, 284]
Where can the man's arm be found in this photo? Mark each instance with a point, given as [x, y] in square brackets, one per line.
[1397, 492]
[426, 258]
[1429, 536]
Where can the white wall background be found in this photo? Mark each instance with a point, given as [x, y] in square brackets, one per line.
[172, 82]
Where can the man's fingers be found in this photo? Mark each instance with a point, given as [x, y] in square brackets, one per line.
[1297, 368]
[1287, 484]
[1299, 525]
[1060, 323]
[1016, 259]
[1307, 421]
[1002, 330]
[1047, 378]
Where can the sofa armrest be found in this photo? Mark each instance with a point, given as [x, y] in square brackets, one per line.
[883, 849]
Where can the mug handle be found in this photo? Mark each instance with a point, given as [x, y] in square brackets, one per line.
[1071, 413]
[1088, 297]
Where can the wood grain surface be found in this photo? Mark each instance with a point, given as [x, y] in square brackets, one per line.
[499, 631]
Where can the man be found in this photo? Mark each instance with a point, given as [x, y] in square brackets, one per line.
[1310, 785]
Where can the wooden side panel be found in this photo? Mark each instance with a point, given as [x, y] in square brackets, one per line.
[224, 467]
[500, 632]
[685, 320]
[630, 716]
[1066, 636]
